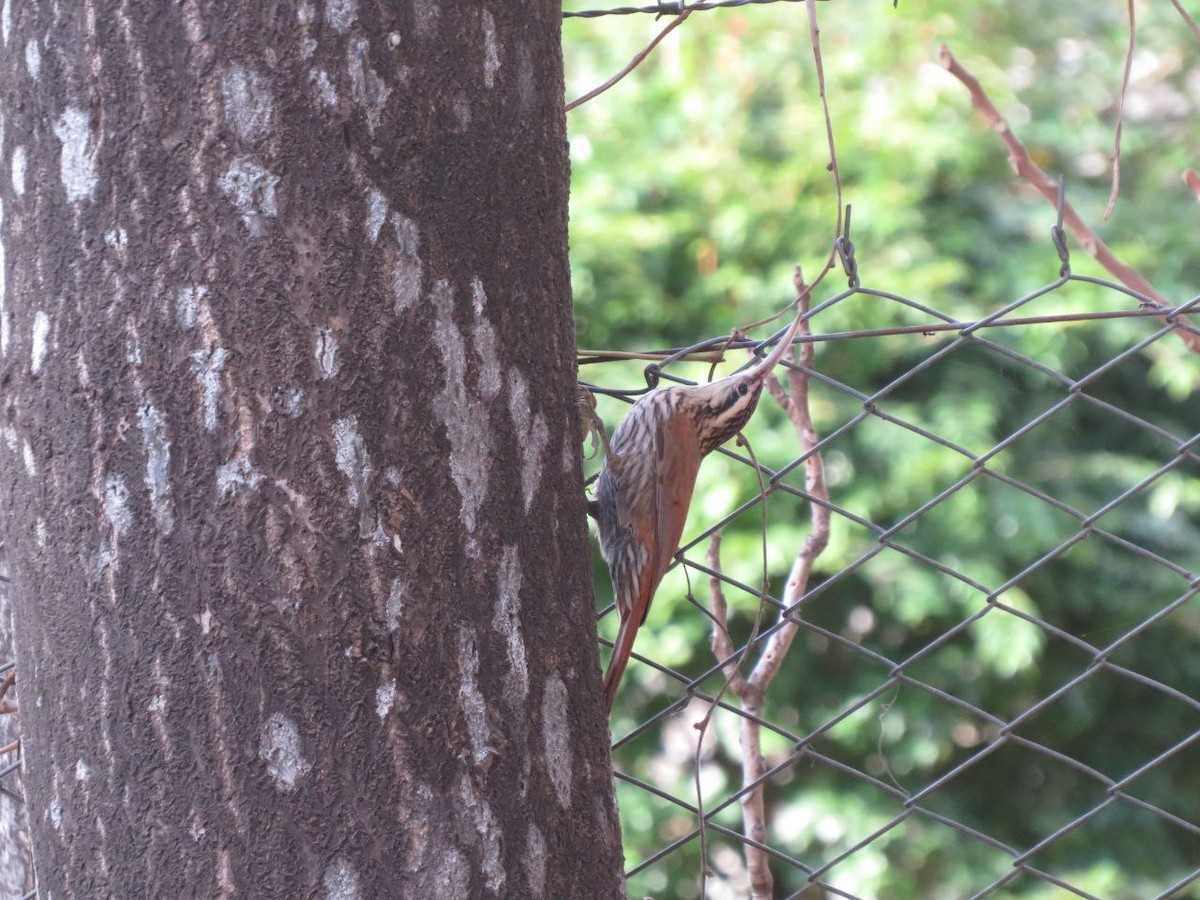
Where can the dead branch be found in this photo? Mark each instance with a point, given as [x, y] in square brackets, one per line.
[1025, 167]
[633, 63]
[797, 407]
[1190, 21]
[751, 690]
[814, 32]
[722, 645]
[754, 818]
[1116, 157]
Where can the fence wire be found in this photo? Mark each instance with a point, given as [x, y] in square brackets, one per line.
[1085, 802]
[666, 8]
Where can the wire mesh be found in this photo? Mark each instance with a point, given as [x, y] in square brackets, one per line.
[665, 8]
[907, 726]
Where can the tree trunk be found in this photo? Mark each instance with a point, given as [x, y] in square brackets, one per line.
[290, 453]
[16, 869]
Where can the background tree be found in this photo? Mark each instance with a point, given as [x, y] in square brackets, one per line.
[699, 181]
[291, 485]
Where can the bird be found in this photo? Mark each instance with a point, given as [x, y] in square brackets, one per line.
[645, 485]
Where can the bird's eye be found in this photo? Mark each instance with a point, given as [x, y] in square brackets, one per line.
[743, 388]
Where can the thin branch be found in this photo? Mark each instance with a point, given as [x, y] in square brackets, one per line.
[723, 647]
[754, 822]
[814, 31]
[751, 690]
[1024, 166]
[797, 407]
[1190, 21]
[722, 644]
[633, 63]
[1116, 158]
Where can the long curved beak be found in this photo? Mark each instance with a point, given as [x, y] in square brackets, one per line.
[760, 370]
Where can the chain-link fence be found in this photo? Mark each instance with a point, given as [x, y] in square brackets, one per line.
[995, 685]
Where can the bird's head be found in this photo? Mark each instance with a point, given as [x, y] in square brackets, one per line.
[722, 408]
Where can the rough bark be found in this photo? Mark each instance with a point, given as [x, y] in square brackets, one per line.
[290, 458]
[16, 869]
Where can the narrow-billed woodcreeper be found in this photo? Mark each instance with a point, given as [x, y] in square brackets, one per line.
[645, 486]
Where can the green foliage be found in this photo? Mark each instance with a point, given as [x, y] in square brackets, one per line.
[698, 183]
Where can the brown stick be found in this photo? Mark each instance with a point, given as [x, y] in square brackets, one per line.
[814, 33]
[1190, 21]
[722, 645]
[1116, 157]
[797, 407]
[633, 63]
[1025, 167]
[751, 690]
[754, 817]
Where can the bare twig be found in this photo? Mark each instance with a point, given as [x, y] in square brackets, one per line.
[814, 32]
[1190, 21]
[633, 63]
[1116, 157]
[1024, 166]
[722, 644]
[752, 689]
[723, 647]
[754, 820]
[797, 407]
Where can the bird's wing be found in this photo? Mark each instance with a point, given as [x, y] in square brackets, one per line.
[675, 478]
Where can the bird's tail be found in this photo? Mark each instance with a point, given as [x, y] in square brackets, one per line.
[620, 658]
